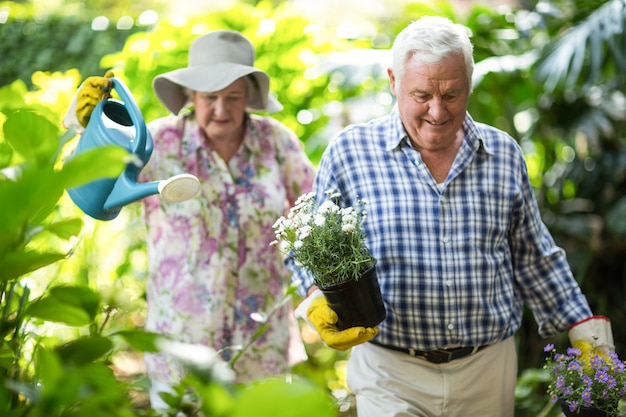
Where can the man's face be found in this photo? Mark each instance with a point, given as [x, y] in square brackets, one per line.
[432, 101]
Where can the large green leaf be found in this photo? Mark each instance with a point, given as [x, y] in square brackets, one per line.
[616, 219]
[50, 308]
[278, 397]
[12, 95]
[84, 350]
[6, 154]
[30, 134]
[582, 52]
[49, 368]
[141, 341]
[103, 162]
[26, 202]
[81, 297]
[65, 228]
[14, 265]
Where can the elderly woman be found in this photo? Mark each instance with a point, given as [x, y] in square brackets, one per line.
[211, 266]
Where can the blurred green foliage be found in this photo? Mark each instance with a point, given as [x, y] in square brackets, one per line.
[287, 46]
[33, 43]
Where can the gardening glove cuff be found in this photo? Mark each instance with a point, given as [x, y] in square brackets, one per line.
[324, 320]
[592, 334]
[303, 307]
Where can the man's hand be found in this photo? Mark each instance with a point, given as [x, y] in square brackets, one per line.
[324, 320]
[93, 90]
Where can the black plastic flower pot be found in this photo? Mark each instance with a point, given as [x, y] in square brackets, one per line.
[582, 412]
[358, 303]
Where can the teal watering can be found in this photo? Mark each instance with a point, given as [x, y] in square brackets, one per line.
[115, 122]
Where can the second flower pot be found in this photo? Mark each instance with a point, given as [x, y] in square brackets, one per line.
[358, 303]
[583, 412]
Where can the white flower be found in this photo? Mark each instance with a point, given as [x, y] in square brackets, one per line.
[309, 236]
[347, 227]
[327, 207]
[304, 232]
[306, 218]
[304, 199]
[349, 218]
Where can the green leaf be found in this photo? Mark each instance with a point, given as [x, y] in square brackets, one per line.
[97, 163]
[7, 356]
[81, 297]
[26, 202]
[616, 218]
[14, 265]
[6, 154]
[277, 397]
[141, 341]
[29, 134]
[12, 95]
[84, 350]
[50, 308]
[66, 228]
[49, 368]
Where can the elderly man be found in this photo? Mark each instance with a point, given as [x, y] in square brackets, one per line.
[459, 242]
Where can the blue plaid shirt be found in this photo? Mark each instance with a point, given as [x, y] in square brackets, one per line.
[457, 261]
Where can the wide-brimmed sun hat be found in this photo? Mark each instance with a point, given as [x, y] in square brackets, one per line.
[215, 61]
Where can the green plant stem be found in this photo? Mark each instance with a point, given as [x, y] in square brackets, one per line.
[545, 410]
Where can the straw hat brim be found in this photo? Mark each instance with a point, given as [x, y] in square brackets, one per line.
[169, 87]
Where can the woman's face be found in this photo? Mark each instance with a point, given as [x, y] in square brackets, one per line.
[221, 114]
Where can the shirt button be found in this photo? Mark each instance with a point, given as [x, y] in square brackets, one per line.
[445, 239]
[450, 326]
[449, 282]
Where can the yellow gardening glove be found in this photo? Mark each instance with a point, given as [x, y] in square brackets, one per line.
[592, 336]
[588, 352]
[324, 319]
[93, 90]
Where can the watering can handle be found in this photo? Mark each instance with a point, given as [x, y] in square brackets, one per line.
[139, 144]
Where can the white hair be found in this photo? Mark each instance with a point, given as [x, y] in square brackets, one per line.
[430, 39]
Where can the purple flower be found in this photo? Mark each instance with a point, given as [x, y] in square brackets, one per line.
[573, 351]
[602, 376]
[548, 347]
[611, 382]
[586, 394]
[573, 366]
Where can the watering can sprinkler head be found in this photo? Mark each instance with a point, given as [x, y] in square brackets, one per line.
[179, 188]
[120, 123]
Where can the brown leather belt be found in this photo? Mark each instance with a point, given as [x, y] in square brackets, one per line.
[436, 356]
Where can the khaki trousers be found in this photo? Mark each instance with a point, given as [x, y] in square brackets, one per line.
[393, 384]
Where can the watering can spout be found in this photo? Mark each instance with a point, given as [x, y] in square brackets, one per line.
[120, 123]
[178, 188]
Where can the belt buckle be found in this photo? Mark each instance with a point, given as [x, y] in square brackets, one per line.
[438, 356]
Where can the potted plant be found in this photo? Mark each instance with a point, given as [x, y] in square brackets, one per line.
[328, 241]
[586, 383]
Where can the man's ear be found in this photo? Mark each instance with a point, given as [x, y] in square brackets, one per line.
[392, 81]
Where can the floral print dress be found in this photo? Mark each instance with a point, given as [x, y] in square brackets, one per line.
[211, 267]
